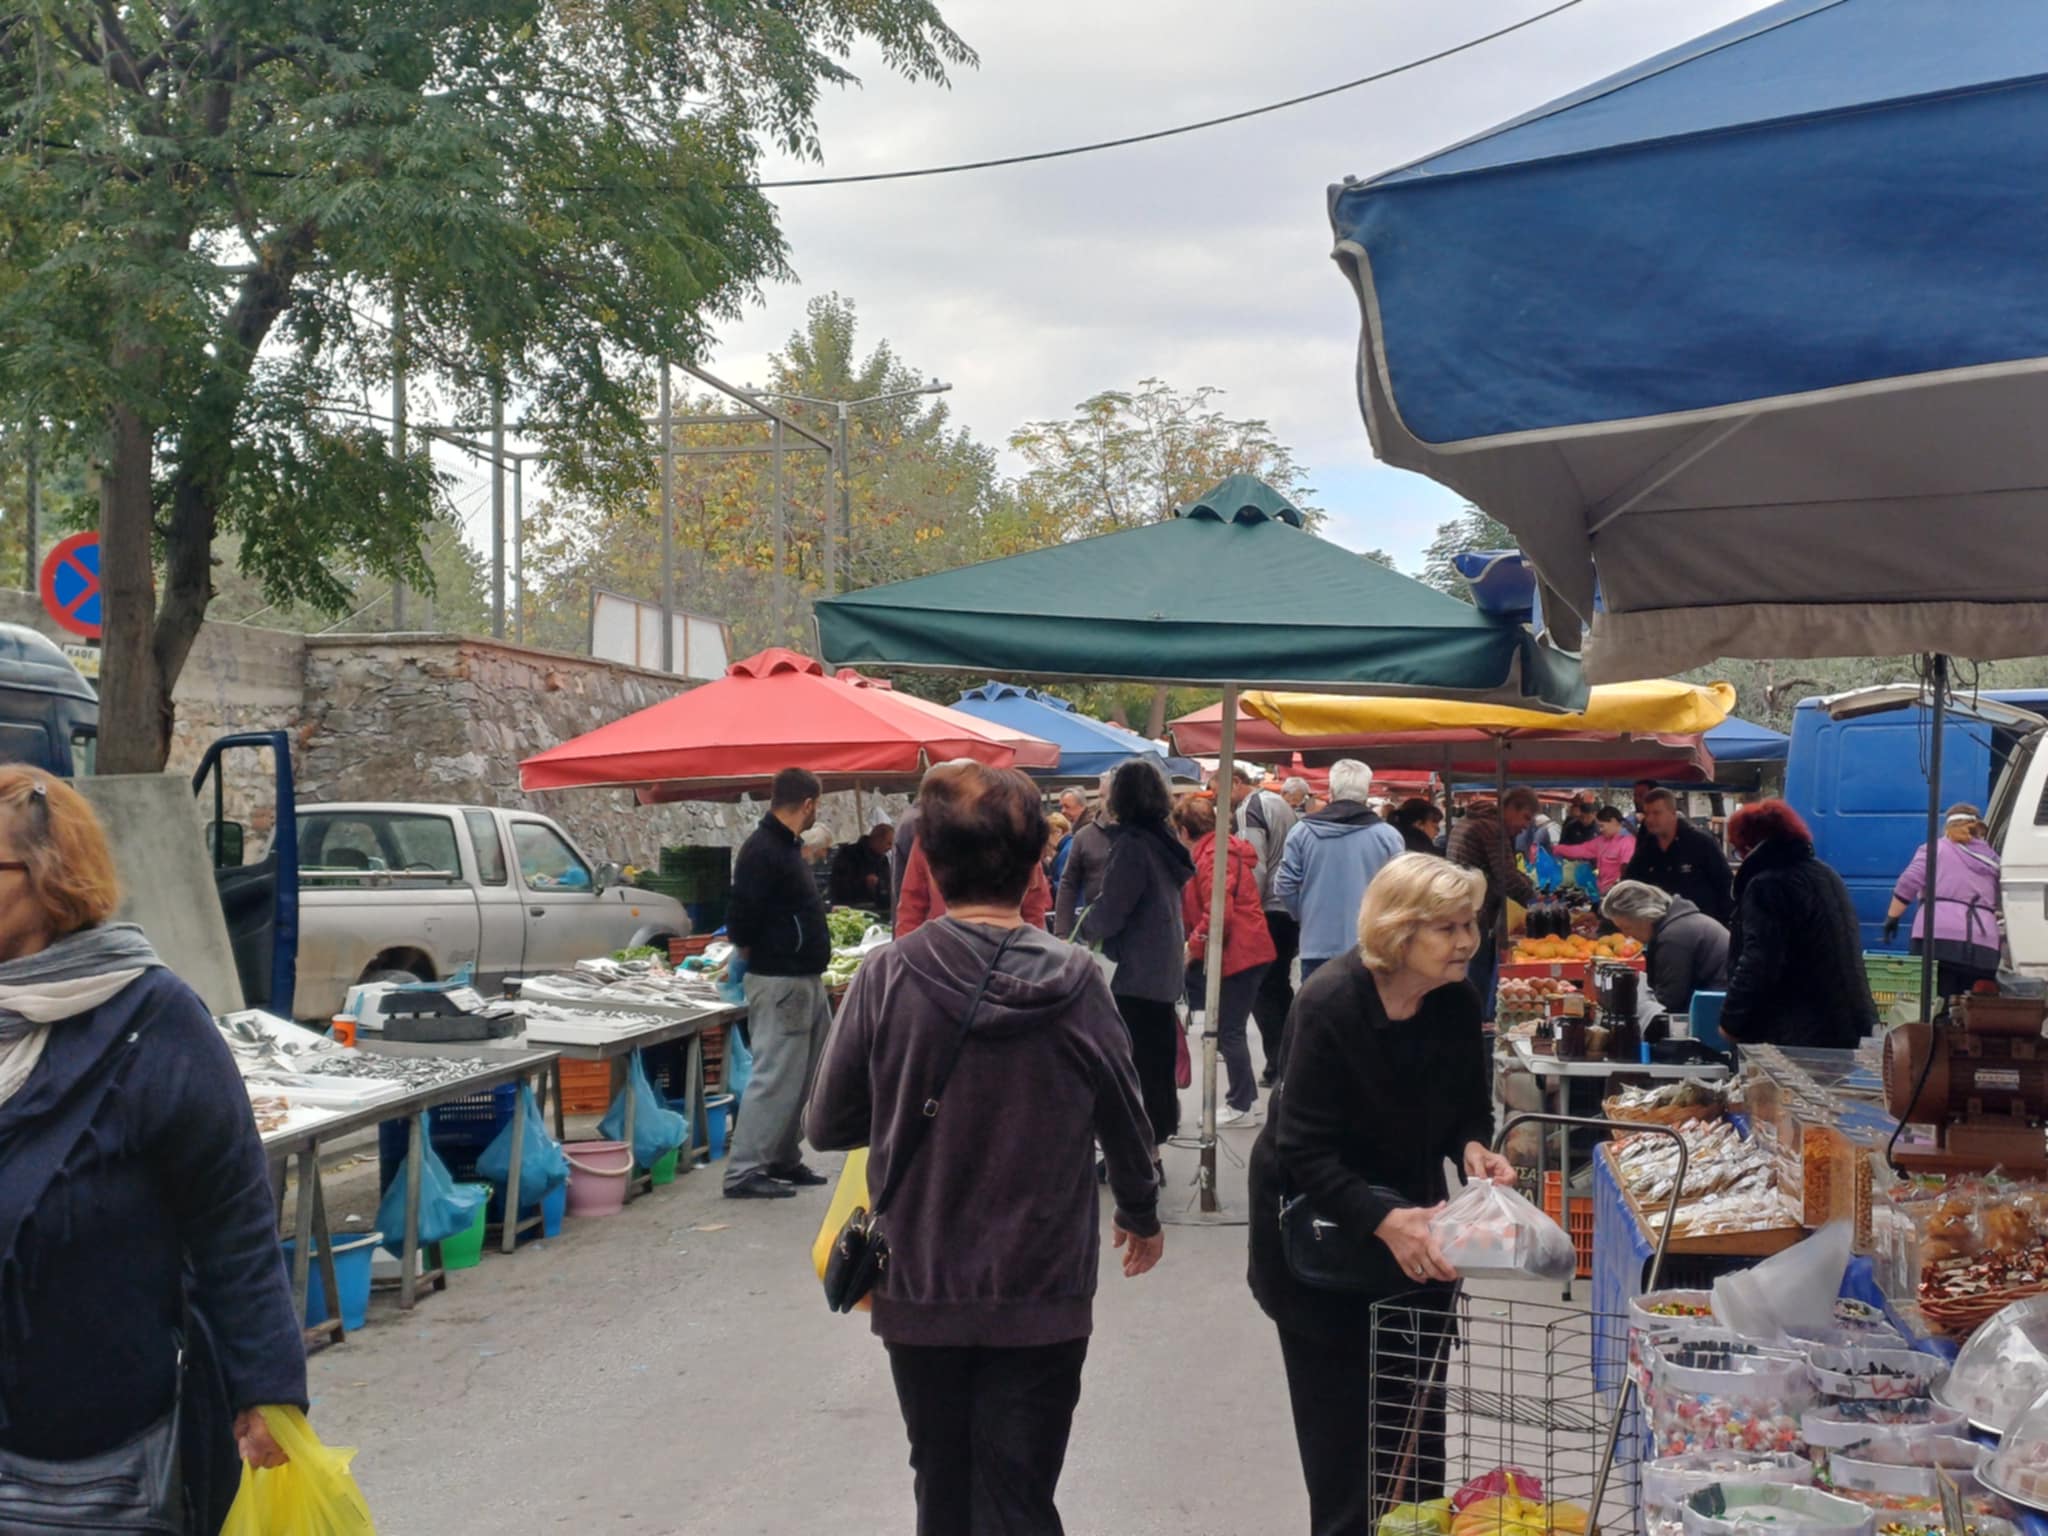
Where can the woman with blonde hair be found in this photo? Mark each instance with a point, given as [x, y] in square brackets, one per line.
[1385, 1078]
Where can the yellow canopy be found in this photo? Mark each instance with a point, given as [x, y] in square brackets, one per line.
[1659, 706]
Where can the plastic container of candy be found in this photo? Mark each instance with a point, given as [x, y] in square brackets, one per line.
[1858, 1374]
[2003, 1368]
[1728, 1509]
[1904, 1471]
[1840, 1335]
[1670, 1480]
[2018, 1469]
[1665, 1316]
[1836, 1426]
[1725, 1394]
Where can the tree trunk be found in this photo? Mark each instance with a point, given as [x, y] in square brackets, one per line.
[135, 695]
[1155, 718]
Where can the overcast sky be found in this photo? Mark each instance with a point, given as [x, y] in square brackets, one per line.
[1202, 259]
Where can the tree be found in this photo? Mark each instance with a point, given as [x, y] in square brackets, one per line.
[1471, 529]
[218, 219]
[1129, 457]
[1378, 557]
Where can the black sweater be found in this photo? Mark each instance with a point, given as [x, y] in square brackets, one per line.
[1364, 1100]
[774, 911]
[1693, 867]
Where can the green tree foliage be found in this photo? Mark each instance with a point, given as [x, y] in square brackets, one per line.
[210, 211]
[1471, 529]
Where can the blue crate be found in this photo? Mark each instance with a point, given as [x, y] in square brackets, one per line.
[458, 1133]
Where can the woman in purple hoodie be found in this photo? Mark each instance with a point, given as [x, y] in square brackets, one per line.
[994, 1235]
[1966, 913]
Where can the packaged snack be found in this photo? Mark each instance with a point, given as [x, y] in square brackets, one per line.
[1856, 1373]
[1487, 1229]
[1666, 1315]
[1835, 1426]
[1670, 1480]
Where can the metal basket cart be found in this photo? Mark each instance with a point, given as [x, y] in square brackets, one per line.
[1463, 1384]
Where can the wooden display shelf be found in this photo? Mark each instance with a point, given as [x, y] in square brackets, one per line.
[1760, 1244]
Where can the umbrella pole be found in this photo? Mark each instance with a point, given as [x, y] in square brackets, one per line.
[1500, 814]
[1938, 666]
[1212, 959]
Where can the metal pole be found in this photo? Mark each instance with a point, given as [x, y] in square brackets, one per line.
[844, 514]
[398, 589]
[778, 527]
[668, 529]
[519, 548]
[497, 510]
[1212, 960]
[32, 523]
[1935, 832]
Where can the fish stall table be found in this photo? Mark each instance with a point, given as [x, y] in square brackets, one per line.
[491, 1071]
[1552, 1074]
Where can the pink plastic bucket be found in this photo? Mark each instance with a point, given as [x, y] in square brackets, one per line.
[597, 1176]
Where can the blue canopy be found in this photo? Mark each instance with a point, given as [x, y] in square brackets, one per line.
[1755, 329]
[1740, 741]
[1088, 747]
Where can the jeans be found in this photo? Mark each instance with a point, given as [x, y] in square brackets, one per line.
[1153, 1025]
[988, 1433]
[788, 1018]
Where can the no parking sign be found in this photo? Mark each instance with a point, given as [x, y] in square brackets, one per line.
[71, 584]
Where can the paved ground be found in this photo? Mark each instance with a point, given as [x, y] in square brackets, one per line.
[672, 1369]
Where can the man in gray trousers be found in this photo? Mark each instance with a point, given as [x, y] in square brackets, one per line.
[776, 918]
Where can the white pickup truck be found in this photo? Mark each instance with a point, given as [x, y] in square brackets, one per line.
[416, 892]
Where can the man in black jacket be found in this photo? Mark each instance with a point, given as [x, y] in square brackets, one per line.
[776, 918]
[1676, 856]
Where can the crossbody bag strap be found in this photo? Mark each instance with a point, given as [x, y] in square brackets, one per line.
[921, 1126]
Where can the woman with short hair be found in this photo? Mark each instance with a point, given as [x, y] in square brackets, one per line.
[136, 1214]
[1686, 951]
[1967, 940]
[986, 1303]
[1387, 1076]
[1795, 949]
[1419, 822]
[1247, 949]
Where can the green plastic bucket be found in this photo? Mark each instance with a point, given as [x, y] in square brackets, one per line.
[664, 1169]
[465, 1250]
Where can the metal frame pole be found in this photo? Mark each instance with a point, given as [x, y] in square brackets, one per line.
[32, 523]
[398, 587]
[519, 548]
[1935, 831]
[497, 510]
[668, 528]
[778, 533]
[844, 516]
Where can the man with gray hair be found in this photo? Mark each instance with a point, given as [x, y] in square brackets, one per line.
[1264, 820]
[1688, 950]
[1329, 861]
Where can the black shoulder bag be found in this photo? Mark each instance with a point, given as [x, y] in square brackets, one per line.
[860, 1252]
[137, 1487]
[1327, 1257]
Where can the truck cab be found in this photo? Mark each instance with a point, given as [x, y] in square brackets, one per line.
[49, 713]
[2018, 819]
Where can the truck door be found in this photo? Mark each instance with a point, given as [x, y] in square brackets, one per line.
[2019, 831]
[501, 907]
[565, 920]
[245, 787]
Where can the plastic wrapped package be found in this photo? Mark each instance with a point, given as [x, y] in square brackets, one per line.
[1858, 1374]
[1487, 1229]
[1840, 1335]
[1668, 1316]
[1729, 1509]
[1902, 1472]
[2003, 1368]
[1836, 1426]
[1724, 1394]
[1670, 1480]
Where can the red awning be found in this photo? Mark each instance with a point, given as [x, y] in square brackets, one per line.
[773, 711]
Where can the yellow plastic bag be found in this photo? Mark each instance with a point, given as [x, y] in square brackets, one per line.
[313, 1494]
[851, 1191]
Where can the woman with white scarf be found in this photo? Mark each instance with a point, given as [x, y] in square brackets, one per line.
[143, 1297]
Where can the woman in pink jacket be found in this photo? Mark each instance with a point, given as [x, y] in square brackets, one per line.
[1966, 905]
[1610, 850]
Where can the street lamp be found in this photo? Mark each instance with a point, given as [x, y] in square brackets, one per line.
[845, 409]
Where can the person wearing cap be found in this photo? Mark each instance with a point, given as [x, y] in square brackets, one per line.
[860, 869]
[1966, 903]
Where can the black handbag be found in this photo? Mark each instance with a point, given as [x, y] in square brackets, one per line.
[860, 1253]
[135, 1489]
[1327, 1257]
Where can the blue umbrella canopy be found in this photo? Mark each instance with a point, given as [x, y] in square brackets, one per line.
[1087, 746]
[1754, 331]
[1742, 741]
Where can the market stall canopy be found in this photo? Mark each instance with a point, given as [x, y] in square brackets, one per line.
[1741, 741]
[1229, 589]
[1088, 747]
[1200, 734]
[1658, 706]
[1030, 749]
[1754, 331]
[772, 711]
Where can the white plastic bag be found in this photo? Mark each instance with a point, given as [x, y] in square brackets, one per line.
[1488, 1229]
[1793, 1289]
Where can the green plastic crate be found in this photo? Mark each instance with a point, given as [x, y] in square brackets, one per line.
[1894, 979]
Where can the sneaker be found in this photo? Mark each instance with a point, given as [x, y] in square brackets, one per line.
[1267, 1079]
[759, 1186]
[800, 1174]
[1228, 1117]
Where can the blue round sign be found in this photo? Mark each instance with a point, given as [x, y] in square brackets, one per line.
[71, 584]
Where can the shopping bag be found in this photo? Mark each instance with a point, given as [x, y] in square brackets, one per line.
[850, 1193]
[542, 1166]
[313, 1494]
[657, 1129]
[1488, 1229]
[446, 1207]
[739, 1065]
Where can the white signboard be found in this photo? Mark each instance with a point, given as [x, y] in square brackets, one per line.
[628, 630]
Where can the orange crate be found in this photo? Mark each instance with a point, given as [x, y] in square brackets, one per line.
[714, 1058]
[586, 1087]
[1581, 1228]
[680, 950]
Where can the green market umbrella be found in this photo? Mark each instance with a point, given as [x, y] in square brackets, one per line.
[1230, 592]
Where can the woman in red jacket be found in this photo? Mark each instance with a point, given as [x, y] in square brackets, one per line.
[1247, 948]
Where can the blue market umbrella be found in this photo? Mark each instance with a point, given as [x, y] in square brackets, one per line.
[1742, 741]
[1088, 747]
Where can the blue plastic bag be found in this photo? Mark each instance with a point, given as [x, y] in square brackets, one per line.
[657, 1129]
[739, 1065]
[542, 1166]
[1549, 870]
[446, 1207]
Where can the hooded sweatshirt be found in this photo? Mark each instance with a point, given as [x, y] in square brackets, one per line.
[994, 1234]
[1331, 858]
[1136, 918]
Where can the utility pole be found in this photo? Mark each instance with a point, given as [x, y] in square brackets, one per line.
[32, 523]
[668, 528]
[519, 548]
[779, 541]
[398, 592]
[845, 540]
[497, 510]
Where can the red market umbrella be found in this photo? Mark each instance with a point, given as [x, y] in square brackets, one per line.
[775, 710]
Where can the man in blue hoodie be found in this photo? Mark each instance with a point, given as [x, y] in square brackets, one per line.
[1330, 859]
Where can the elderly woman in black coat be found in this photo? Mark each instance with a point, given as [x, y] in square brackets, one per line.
[1386, 1077]
[135, 1209]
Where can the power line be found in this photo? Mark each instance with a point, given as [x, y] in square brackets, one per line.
[1165, 133]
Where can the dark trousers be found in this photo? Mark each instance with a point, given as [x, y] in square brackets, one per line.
[1154, 1026]
[988, 1434]
[1363, 1447]
[1231, 1042]
[1276, 990]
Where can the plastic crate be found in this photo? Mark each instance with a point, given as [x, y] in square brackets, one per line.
[586, 1087]
[457, 1132]
[680, 950]
[1893, 978]
[1581, 1228]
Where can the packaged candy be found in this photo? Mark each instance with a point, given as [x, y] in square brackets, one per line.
[1669, 1316]
[1856, 1373]
[1670, 1480]
[1834, 1426]
[1725, 1394]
